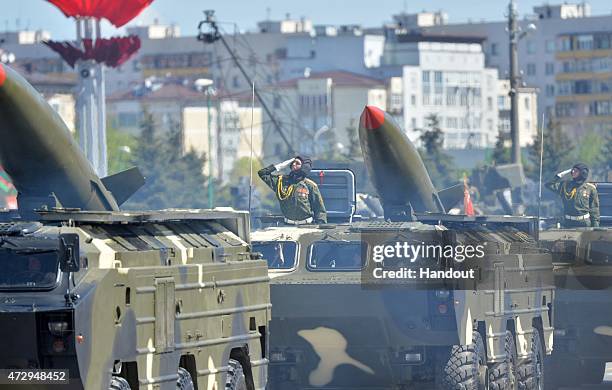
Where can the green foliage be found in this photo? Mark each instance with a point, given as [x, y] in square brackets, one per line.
[558, 153]
[353, 149]
[501, 153]
[173, 178]
[235, 193]
[438, 163]
[561, 152]
[119, 146]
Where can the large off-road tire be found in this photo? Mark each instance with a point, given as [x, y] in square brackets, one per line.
[184, 380]
[530, 371]
[236, 380]
[502, 375]
[466, 368]
[119, 383]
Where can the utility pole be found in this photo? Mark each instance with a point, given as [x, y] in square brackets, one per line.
[513, 31]
[215, 35]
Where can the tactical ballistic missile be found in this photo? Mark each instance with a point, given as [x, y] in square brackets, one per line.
[44, 162]
[397, 170]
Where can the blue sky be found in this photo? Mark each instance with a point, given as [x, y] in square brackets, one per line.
[186, 13]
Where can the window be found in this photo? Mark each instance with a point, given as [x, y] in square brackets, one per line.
[29, 269]
[550, 46]
[550, 68]
[531, 69]
[438, 77]
[280, 255]
[584, 42]
[425, 76]
[494, 51]
[426, 100]
[550, 90]
[531, 47]
[527, 125]
[413, 100]
[277, 102]
[526, 103]
[489, 103]
[336, 256]
[451, 122]
[235, 82]
[501, 102]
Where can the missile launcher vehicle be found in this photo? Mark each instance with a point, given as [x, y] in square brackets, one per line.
[583, 277]
[436, 320]
[95, 298]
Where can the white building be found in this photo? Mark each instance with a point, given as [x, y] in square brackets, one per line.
[527, 112]
[539, 60]
[446, 76]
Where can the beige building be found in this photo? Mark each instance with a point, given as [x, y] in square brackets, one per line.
[229, 136]
[315, 111]
[527, 112]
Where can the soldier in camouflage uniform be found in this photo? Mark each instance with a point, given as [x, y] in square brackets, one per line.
[299, 197]
[580, 199]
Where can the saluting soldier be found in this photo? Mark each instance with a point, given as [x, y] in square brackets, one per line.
[580, 199]
[299, 197]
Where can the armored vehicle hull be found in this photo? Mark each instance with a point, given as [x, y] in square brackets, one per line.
[334, 327]
[160, 300]
[583, 277]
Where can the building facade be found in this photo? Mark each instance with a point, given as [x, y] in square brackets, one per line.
[527, 113]
[583, 100]
[320, 113]
[540, 59]
[446, 77]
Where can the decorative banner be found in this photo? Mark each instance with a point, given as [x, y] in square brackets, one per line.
[112, 52]
[117, 12]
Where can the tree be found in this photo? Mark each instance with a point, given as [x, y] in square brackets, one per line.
[558, 153]
[119, 146]
[439, 164]
[173, 178]
[353, 149]
[501, 152]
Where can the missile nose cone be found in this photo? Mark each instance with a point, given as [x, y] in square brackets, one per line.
[372, 117]
[2, 75]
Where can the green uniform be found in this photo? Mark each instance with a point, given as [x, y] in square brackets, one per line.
[578, 199]
[298, 201]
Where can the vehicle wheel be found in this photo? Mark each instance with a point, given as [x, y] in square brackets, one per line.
[530, 371]
[119, 383]
[235, 376]
[466, 368]
[502, 376]
[184, 381]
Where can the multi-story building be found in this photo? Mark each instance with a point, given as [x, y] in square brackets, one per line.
[233, 135]
[527, 112]
[445, 76]
[328, 48]
[320, 112]
[539, 50]
[584, 82]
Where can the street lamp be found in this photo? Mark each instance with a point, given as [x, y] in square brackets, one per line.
[515, 35]
[206, 86]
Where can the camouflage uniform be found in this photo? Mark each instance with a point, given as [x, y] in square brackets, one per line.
[579, 199]
[298, 201]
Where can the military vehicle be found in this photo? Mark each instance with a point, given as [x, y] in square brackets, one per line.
[333, 326]
[583, 276]
[168, 299]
